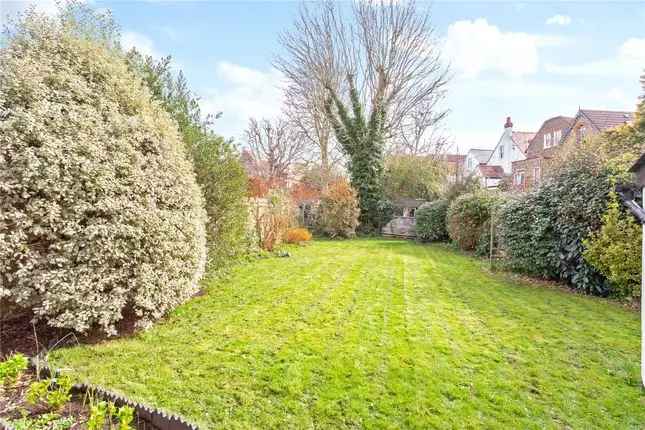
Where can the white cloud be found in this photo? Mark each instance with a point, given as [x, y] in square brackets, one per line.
[9, 8]
[559, 20]
[244, 92]
[145, 45]
[628, 62]
[477, 46]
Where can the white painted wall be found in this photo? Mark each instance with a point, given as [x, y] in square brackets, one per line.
[470, 163]
[508, 154]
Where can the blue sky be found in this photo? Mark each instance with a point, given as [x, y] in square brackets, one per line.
[530, 60]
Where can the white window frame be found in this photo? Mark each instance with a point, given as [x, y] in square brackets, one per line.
[501, 152]
[519, 177]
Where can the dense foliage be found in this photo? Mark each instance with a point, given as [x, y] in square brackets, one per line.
[217, 164]
[100, 210]
[412, 176]
[362, 139]
[528, 235]
[338, 211]
[543, 232]
[615, 250]
[467, 218]
[431, 220]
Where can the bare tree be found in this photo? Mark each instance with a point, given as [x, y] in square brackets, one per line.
[313, 63]
[275, 147]
[420, 132]
[387, 48]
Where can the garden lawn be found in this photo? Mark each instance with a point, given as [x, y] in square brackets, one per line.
[380, 334]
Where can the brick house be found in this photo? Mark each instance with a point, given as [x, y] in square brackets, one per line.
[557, 133]
[590, 122]
[454, 167]
[528, 172]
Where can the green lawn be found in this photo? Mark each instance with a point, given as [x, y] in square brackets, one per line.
[380, 334]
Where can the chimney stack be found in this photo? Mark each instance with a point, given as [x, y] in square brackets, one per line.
[508, 124]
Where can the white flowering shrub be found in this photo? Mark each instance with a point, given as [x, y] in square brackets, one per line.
[99, 207]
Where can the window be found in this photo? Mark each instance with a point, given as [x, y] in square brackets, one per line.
[547, 140]
[557, 136]
[581, 132]
[519, 178]
[501, 151]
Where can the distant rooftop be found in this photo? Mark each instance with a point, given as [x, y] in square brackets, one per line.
[607, 119]
[491, 171]
[522, 139]
[481, 155]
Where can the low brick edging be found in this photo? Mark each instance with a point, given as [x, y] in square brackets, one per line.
[146, 417]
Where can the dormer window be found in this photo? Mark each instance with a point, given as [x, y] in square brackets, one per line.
[547, 140]
[557, 136]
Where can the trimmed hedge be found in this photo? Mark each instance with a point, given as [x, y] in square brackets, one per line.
[431, 221]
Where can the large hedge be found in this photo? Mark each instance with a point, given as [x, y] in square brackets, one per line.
[431, 221]
[543, 232]
[468, 216]
[217, 163]
[100, 210]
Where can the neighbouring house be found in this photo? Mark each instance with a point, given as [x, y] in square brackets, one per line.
[560, 133]
[528, 172]
[475, 157]
[454, 167]
[512, 146]
[590, 122]
[489, 176]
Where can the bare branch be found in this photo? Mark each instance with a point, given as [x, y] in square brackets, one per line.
[275, 147]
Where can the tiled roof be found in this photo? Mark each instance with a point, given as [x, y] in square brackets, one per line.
[481, 155]
[491, 171]
[607, 119]
[454, 158]
[522, 139]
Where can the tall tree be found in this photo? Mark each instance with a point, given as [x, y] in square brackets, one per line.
[366, 39]
[362, 139]
[375, 69]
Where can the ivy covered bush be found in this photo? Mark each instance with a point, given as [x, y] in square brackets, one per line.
[431, 220]
[100, 211]
[467, 218]
[338, 212]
